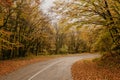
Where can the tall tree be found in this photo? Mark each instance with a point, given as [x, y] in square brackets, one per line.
[92, 12]
[22, 20]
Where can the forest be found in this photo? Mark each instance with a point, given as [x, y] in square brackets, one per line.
[81, 26]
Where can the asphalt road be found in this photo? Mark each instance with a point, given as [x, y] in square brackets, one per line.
[55, 69]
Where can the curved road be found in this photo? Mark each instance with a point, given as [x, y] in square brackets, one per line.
[56, 69]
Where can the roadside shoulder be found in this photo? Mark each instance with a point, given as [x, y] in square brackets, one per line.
[90, 70]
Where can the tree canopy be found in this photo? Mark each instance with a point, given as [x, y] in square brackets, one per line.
[81, 26]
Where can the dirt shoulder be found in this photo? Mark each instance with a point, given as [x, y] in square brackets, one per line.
[89, 70]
